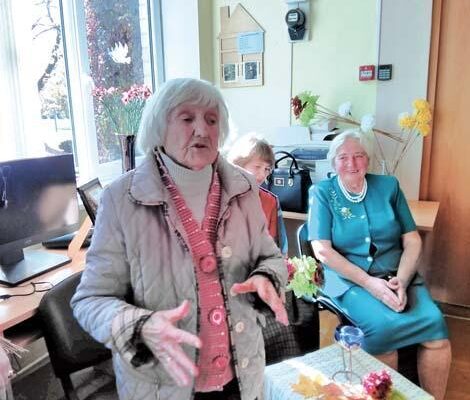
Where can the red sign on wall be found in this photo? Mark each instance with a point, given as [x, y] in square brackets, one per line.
[367, 72]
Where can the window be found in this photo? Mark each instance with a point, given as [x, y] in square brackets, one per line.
[54, 54]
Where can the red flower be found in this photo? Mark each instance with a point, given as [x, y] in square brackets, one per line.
[318, 276]
[290, 269]
[297, 106]
[378, 385]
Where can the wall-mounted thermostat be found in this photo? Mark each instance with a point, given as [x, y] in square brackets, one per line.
[384, 72]
[367, 72]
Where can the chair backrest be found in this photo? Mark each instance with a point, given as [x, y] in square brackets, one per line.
[303, 244]
[70, 347]
[304, 247]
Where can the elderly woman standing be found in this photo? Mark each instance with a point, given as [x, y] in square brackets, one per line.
[179, 249]
[363, 232]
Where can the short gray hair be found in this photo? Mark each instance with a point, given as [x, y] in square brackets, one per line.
[249, 146]
[362, 138]
[172, 94]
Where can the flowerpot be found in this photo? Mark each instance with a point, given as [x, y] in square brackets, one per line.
[127, 145]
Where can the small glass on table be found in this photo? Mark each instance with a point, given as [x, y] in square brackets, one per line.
[349, 338]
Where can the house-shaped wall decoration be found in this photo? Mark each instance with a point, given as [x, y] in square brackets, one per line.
[241, 47]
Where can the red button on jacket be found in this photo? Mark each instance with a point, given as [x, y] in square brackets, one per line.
[208, 264]
[216, 316]
[220, 362]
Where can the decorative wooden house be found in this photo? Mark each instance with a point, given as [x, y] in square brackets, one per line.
[241, 47]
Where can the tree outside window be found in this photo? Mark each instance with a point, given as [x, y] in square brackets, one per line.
[119, 58]
[50, 77]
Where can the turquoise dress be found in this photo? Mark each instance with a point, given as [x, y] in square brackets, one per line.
[368, 234]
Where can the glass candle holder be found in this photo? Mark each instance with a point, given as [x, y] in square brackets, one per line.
[349, 338]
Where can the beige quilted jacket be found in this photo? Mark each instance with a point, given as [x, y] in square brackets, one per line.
[139, 256]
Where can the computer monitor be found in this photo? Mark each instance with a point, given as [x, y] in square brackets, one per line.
[38, 201]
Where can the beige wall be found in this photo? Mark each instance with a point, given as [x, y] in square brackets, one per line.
[343, 38]
[344, 35]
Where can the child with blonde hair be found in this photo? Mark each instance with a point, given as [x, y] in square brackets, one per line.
[255, 155]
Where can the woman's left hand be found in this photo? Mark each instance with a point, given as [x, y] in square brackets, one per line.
[399, 288]
[266, 291]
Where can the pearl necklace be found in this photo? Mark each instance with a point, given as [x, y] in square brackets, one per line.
[353, 198]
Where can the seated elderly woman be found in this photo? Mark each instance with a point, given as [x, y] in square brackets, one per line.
[180, 252]
[364, 234]
[256, 155]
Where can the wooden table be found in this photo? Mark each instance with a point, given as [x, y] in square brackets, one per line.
[17, 313]
[279, 377]
[424, 214]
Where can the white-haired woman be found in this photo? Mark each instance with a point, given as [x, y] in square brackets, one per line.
[179, 249]
[363, 232]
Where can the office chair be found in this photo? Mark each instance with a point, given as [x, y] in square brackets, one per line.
[406, 356]
[70, 348]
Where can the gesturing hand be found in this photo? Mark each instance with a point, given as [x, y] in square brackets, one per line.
[164, 340]
[380, 289]
[265, 289]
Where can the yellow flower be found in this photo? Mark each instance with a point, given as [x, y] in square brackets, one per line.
[406, 121]
[413, 126]
[420, 104]
[424, 129]
[424, 116]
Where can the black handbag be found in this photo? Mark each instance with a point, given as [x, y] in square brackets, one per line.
[289, 184]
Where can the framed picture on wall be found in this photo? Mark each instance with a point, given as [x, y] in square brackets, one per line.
[230, 73]
[90, 194]
[251, 71]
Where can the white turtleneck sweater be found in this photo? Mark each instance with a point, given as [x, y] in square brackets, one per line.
[193, 185]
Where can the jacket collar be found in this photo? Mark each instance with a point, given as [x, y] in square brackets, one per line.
[146, 186]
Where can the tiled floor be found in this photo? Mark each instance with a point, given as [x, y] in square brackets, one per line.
[458, 387]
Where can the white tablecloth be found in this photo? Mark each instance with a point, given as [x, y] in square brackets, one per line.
[279, 377]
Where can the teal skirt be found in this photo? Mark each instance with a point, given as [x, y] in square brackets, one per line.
[386, 330]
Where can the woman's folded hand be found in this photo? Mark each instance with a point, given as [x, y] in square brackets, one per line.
[380, 289]
[164, 340]
[397, 285]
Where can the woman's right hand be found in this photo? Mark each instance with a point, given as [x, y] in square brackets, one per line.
[380, 289]
[164, 341]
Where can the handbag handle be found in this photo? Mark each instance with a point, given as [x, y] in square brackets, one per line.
[292, 164]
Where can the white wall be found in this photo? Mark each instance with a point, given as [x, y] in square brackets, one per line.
[180, 32]
[404, 42]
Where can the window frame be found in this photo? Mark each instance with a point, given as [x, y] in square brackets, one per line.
[79, 84]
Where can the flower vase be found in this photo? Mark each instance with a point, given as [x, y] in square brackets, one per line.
[384, 167]
[127, 145]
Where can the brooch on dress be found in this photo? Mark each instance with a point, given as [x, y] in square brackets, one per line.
[345, 212]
